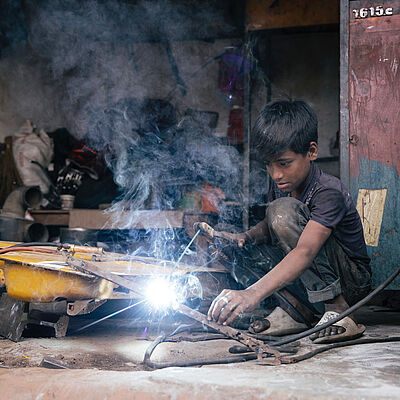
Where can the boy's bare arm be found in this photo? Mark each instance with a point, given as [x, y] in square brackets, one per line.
[230, 303]
[257, 234]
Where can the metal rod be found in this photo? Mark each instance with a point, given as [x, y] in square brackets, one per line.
[107, 316]
[184, 251]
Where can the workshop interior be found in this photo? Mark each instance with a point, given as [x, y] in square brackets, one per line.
[126, 134]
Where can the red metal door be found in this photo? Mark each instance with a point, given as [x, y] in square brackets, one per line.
[370, 139]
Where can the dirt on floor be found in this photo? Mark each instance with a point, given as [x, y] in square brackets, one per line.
[114, 345]
[119, 345]
[29, 353]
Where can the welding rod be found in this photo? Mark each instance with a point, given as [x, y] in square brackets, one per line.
[184, 251]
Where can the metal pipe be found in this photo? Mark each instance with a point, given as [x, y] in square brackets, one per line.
[19, 200]
[22, 230]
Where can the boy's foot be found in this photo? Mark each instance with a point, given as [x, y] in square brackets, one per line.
[278, 323]
[345, 329]
[285, 319]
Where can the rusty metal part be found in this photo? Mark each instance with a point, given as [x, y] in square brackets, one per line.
[92, 269]
[13, 317]
[83, 306]
[258, 346]
[55, 307]
[73, 248]
[53, 363]
[16, 316]
[23, 248]
[254, 344]
[60, 326]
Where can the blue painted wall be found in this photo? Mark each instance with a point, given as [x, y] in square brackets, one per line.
[386, 257]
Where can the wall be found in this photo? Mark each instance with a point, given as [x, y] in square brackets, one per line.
[303, 65]
[29, 90]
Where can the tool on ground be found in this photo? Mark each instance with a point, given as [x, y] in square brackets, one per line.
[253, 344]
[298, 351]
[53, 363]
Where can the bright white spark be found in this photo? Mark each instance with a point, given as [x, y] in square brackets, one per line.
[161, 293]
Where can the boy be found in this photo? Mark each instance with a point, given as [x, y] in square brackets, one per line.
[312, 233]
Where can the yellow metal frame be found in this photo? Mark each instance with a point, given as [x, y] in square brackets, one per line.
[41, 277]
[35, 284]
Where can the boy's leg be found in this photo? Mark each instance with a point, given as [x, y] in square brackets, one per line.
[331, 273]
[249, 264]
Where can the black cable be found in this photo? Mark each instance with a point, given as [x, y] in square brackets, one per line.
[191, 363]
[253, 356]
[33, 244]
[331, 346]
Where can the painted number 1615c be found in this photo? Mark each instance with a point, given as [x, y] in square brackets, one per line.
[377, 11]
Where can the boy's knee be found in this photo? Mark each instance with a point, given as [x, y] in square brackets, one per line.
[286, 216]
[283, 210]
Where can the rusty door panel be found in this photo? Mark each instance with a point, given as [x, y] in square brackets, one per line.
[374, 128]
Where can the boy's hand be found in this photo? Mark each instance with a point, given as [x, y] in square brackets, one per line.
[230, 304]
[237, 238]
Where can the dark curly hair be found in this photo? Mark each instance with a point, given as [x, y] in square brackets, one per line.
[284, 125]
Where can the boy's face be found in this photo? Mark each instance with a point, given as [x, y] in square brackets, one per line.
[290, 170]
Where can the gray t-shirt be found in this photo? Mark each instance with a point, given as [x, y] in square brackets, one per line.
[331, 205]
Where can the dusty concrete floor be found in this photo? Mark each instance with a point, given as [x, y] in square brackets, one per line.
[108, 360]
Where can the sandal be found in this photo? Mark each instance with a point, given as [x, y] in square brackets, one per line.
[352, 329]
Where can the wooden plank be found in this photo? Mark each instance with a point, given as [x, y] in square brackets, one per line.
[143, 219]
[272, 14]
[51, 217]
